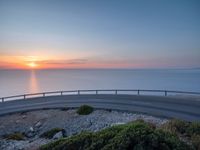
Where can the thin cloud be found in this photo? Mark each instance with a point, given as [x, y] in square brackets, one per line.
[63, 62]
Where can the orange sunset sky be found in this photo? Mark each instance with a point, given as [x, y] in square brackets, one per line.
[44, 34]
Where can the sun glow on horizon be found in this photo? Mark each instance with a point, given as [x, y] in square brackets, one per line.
[32, 65]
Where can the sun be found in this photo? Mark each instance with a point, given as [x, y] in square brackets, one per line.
[32, 65]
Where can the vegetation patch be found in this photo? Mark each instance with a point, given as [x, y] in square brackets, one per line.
[186, 130]
[195, 139]
[15, 136]
[49, 134]
[176, 126]
[193, 129]
[85, 110]
[136, 135]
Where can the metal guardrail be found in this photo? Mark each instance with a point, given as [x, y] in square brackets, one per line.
[79, 92]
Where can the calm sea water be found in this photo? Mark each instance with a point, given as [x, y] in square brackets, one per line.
[14, 82]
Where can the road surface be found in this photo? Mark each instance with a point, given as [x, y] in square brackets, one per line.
[169, 107]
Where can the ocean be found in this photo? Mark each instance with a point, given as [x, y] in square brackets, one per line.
[14, 82]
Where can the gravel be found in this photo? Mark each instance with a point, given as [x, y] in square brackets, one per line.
[34, 123]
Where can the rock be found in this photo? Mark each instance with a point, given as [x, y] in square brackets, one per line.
[30, 134]
[13, 145]
[117, 123]
[17, 121]
[38, 124]
[58, 135]
[31, 129]
[24, 116]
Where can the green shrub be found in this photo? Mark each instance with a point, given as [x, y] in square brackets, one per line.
[132, 136]
[189, 131]
[176, 126]
[84, 110]
[193, 129]
[49, 134]
[182, 127]
[15, 136]
[196, 141]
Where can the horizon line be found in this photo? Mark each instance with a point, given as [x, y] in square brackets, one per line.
[153, 68]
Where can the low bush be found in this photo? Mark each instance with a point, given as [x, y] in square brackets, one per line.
[193, 129]
[196, 141]
[15, 136]
[186, 130]
[137, 135]
[85, 110]
[182, 127]
[176, 126]
[49, 134]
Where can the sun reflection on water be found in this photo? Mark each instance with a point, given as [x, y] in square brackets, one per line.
[33, 85]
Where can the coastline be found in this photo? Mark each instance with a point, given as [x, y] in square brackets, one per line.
[35, 116]
[34, 123]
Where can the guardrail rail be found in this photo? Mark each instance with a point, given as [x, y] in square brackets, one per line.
[79, 92]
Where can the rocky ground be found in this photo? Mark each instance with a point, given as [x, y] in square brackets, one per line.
[34, 123]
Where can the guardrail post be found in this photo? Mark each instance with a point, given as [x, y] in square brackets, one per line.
[165, 93]
[24, 96]
[115, 92]
[2, 99]
[78, 92]
[138, 92]
[43, 94]
[61, 93]
[96, 92]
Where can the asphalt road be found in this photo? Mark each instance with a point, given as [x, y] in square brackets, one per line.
[169, 107]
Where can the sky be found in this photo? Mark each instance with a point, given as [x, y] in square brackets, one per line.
[99, 34]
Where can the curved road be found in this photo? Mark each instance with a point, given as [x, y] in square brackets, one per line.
[170, 107]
